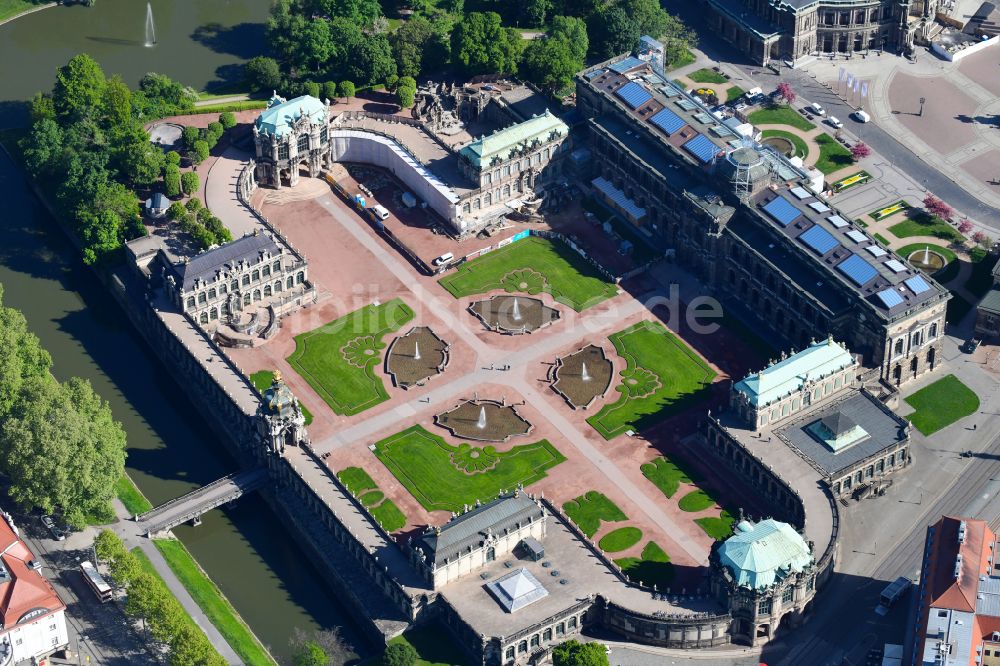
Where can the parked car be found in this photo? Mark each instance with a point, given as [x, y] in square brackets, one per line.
[833, 122]
[816, 108]
[970, 345]
[53, 529]
[861, 116]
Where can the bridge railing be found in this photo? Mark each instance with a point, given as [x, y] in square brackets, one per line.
[230, 478]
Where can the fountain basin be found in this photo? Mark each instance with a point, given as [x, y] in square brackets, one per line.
[583, 376]
[414, 358]
[514, 315]
[484, 421]
[781, 144]
[927, 260]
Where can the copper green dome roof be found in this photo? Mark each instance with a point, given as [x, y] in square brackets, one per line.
[278, 398]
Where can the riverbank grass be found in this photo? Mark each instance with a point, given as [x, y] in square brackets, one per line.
[940, 404]
[340, 359]
[11, 8]
[532, 265]
[425, 464]
[214, 604]
[135, 502]
[663, 377]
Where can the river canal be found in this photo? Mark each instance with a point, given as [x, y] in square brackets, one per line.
[171, 449]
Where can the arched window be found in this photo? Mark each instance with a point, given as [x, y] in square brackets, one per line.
[572, 623]
[536, 640]
[506, 191]
[510, 652]
[256, 294]
[491, 554]
[267, 290]
[246, 280]
[932, 333]
[190, 301]
[212, 294]
[290, 283]
[222, 288]
[547, 635]
[300, 277]
[246, 299]
[488, 199]
[214, 313]
[277, 285]
[496, 174]
[546, 154]
[476, 205]
[204, 318]
[234, 286]
[266, 271]
[256, 275]
[303, 144]
[522, 647]
[202, 298]
[487, 178]
[466, 208]
[276, 266]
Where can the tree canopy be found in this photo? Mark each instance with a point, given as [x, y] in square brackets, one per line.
[483, 46]
[574, 653]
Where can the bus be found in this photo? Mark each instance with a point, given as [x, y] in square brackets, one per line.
[96, 582]
[892, 593]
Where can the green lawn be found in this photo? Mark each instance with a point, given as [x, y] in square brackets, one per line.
[540, 265]
[832, 155]
[801, 149]
[587, 511]
[667, 475]
[653, 567]
[214, 604]
[147, 567]
[339, 359]
[686, 59]
[620, 539]
[130, 496]
[780, 115]
[696, 500]
[434, 644]
[262, 381]
[907, 250]
[719, 528]
[734, 92]
[706, 75]
[11, 8]
[926, 225]
[940, 404]
[881, 239]
[663, 377]
[363, 487]
[423, 463]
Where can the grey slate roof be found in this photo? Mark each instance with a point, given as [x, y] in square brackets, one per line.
[884, 430]
[469, 529]
[839, 423]
[206, 265]
[991, 302]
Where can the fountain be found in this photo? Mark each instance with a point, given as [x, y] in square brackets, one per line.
[584, 375]
[481, 423]
[927, 253]
[516, 312]
[150, 26]
[416, 350]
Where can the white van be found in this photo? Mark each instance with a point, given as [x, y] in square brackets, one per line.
[444, 259]
[380, 212]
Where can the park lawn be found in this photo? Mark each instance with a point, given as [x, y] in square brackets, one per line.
[423, 463]
[733, 93]
[588, 510]
[651, 568]
[940, 404]
[801, 149]
[696, 500]
[434, 644]
[382, 509]
[719, 528]
[131, 497]
[567, 276]
[339, 360]
[147, 567]
[263, 379]
[214, 604]
[832, 155]
[667, 475]
[620, 539]
[706, 75]
[780, 115]
[926, 225]
[663, 377]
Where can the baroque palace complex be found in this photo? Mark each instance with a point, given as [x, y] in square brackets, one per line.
[512, 576]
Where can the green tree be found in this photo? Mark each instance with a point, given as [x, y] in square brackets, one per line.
[62, 449]
[346, 36]
[213, 133]
[405, 97]
[79, 87]
[399, 654]
[574, 31]
[359, 12]
[262, 73]
[533, 12]
[173, 157]
[483, 46]
[43, 148]
[200, 152]
[309, 654]
[312, 89]
[549, 63]
[613, 32]
[22, 357]
[677, 39]
[190, 647]
[372, 61]
[172, 180]
[42, 107]
[330, 90]
[141, 163]
[190, 182]
[574, 653]
[346, 89]
[409, 44]
[227, 120]
[190, 135]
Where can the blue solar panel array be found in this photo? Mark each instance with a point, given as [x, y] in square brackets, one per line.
[917, 284]
[628, 63]
[668, 121]
[890, 298]
[857, 269]
[702, 148]
[819, 239]
[782, 210]
[633, 94]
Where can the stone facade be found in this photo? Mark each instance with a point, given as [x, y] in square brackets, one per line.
[290, 135]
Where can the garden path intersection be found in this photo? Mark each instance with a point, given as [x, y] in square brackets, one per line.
[595, 323]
